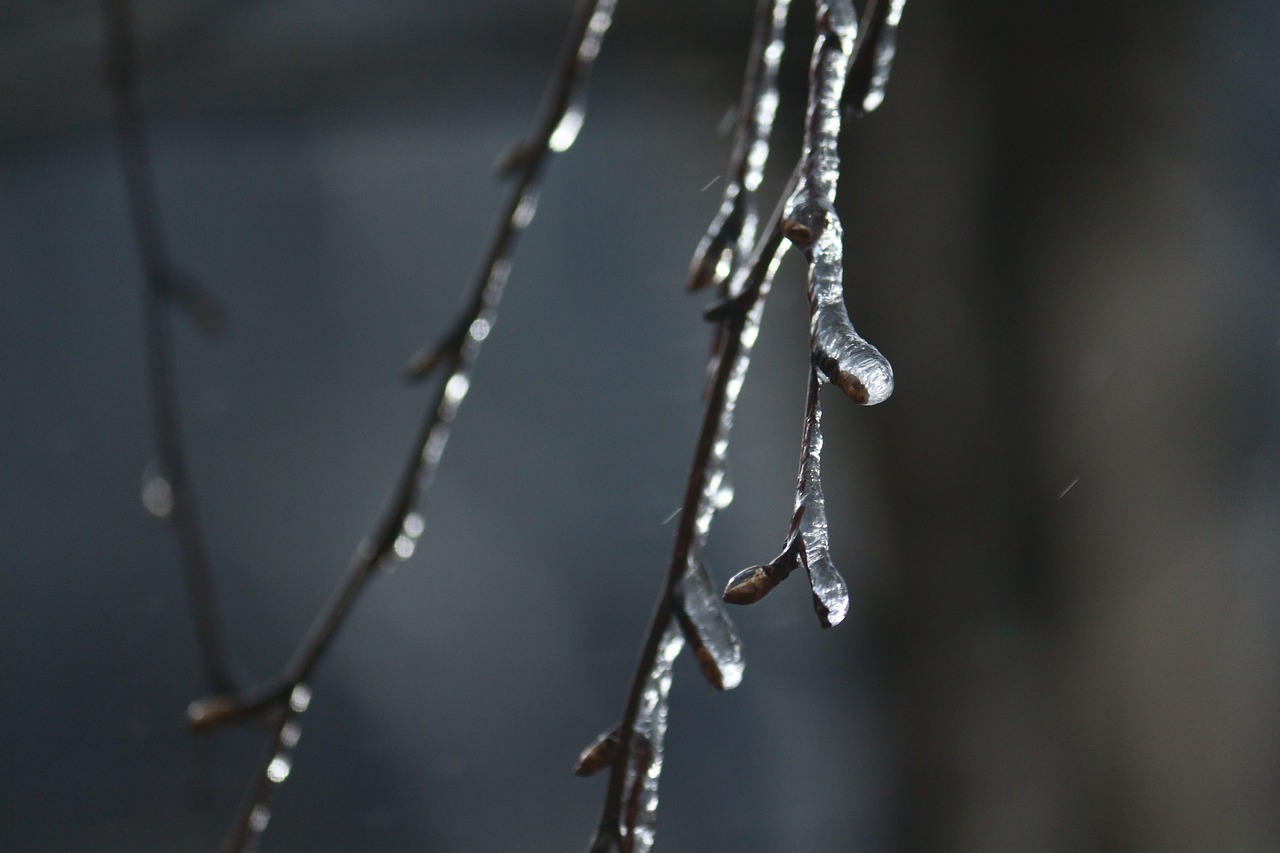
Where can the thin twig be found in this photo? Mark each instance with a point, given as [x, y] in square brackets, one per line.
[634, 749]
[274, 767]
[396, 533]
[168, 494]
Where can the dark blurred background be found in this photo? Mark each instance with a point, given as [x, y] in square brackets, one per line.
[1060, 533]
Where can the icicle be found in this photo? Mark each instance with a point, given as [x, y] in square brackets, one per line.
[731, 237]
[707, 629]
[886, 46]
[807, 542]
[638, 817]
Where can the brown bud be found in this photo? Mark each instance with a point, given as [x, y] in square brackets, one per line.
[799, 234]
[749, 586]
[598, 755]
[210, 712]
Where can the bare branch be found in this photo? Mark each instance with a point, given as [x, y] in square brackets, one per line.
[396, 534]
[167, 492]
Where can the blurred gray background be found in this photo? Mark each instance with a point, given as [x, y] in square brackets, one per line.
[1060, 533]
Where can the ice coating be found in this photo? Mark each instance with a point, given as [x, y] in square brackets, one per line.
[731, 237]
[886, 47]
[560, 120]
[830, 595]
[807, 541]
[811, 223]
[707, 629]
[742, 266]
[638, 818]
[256, 814]
[855, 366]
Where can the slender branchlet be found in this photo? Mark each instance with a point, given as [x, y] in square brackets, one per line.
[279, 702]
[807, 541]
[841, 66]
[731, 256]
[166, 490]
[731, 237]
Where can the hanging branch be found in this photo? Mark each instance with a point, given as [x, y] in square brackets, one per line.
[686, 610]
[633, 751]
[167, 492]
[395, 536]
[838, 353]
[807, 543]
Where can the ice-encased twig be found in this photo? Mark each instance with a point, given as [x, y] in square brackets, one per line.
[401, 525]
[167, 491]
[813, 225]
[721, 258]
[686, 607]
[643, 751]
[869, 76]
[807, 541]
[731, 237]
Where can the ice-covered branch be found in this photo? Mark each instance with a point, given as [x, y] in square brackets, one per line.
[730, 255]
[812, 224]
[837, 351]
[807, 541]
[731, 237]
[166, 488]
[687, 610]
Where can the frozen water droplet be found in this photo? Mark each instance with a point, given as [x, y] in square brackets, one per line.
[707, 629]
[414, 525]
[300, 698]
[289, 735]
[566, 132]
[259, 818]
[157, 495]
[278, 769]
[525, 210]
[830, 595]
[455, 389]
[479, 329]
[403, 546]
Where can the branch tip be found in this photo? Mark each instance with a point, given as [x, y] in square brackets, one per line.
[748, 586]
[800, 235]
[211, 712]
[598, 755]
[514, 159]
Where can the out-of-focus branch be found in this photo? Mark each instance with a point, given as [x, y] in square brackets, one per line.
[396, 533]
[167, 492]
